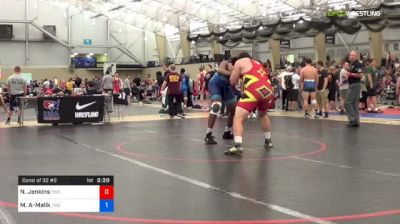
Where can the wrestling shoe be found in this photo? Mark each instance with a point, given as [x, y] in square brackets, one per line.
[210, 139]
[268, 144]
[181, 115]
[236, 150]
[227, 135]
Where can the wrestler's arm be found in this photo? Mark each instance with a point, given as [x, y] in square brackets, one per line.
[235, 75]
[223, 68]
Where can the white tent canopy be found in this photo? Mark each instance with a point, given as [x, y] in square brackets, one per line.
[167, 16]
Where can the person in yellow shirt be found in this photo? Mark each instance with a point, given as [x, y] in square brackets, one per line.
[70, 86]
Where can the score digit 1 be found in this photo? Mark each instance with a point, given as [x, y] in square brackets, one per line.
[106, 198]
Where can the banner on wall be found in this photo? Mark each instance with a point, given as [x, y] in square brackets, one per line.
[330, 38]
[285, 43]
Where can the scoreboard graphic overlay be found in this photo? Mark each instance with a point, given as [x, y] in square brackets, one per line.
[66, 194]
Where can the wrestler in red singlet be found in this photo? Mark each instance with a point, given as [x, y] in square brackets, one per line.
[257, 93]
[257, 88]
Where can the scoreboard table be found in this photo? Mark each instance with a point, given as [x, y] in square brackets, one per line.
[66, 194]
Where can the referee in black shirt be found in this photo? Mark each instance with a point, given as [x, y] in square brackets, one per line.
[354, 74]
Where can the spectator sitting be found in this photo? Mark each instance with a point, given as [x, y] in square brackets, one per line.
[70, 86]
[81, 90]
[91, 88]
[59, 90]
[137, 93]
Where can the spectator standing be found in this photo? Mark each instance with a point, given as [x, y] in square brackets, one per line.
[160, 80]
[137, 80]
[355, 73]
[127, 88]
[107, 83]
[284, 95]
[294, 92]
[200, 82]
[185, 86]
[372, 85]
[117, 84]
[165, 69]
[333, 82]
[363, 97]
[343, 85]
[97, 83]
[173, 81]
[193, 92]
[322, 91]
[17, 87]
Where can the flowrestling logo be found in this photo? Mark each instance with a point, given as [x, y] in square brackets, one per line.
[51, 108]
[353, 13]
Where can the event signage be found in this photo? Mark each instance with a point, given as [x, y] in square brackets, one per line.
[66, 194]
[87, 41]
[70, 109]
[330, 38]
[285, 43]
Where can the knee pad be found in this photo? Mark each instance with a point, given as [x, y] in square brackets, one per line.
[215, 108]
[314, 101]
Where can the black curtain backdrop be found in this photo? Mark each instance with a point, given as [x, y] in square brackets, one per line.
[390, 17]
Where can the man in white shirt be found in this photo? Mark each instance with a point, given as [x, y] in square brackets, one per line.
[281, 78]
[294, 91]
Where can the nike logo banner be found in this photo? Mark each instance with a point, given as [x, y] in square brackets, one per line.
[70, 109]
[81, 107]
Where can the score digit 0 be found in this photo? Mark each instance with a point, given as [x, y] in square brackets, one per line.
[106, 192]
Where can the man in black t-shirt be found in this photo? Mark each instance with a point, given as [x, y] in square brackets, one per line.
[322, 91]
[355, 73]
